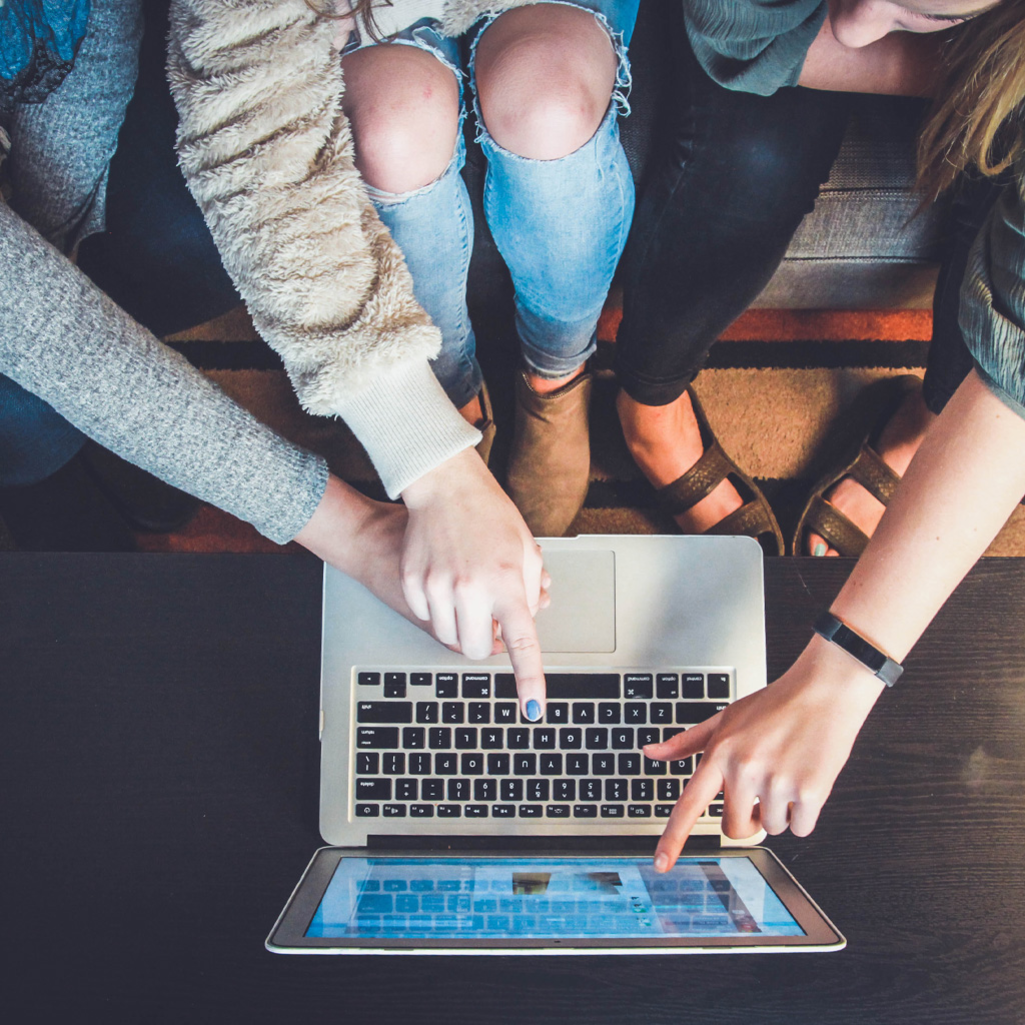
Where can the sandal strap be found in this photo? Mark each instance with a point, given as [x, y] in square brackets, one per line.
[751, 520]
[840, 532]
[697, 483]
[874, 475]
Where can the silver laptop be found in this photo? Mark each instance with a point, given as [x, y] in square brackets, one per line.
[424, 751]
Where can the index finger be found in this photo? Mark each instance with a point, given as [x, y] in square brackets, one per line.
[520, 637]
[698, 794]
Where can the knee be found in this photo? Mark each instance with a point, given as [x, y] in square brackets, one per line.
[545, 76]
[405, 121]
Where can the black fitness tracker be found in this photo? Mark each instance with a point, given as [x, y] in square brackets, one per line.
[828, 626]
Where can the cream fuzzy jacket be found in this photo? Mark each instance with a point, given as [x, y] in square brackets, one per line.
[268, 155]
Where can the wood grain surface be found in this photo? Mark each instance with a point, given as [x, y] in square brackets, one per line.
[158, 791]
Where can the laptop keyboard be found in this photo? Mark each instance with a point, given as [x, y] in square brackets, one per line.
[452, 745]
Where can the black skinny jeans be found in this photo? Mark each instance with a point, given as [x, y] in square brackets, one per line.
[735, 179]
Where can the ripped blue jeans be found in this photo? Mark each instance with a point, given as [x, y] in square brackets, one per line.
[560, 226]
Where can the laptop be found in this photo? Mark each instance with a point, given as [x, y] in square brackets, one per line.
[456, 825]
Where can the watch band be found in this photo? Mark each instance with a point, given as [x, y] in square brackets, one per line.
[877, 662]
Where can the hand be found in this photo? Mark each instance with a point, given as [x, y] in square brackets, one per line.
[469, 561]
[775, 754]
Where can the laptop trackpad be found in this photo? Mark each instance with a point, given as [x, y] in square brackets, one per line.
[582, 616]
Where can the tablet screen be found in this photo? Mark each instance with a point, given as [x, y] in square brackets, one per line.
[470, 898]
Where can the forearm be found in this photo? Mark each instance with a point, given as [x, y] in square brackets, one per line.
[961, 487]
[901, 64]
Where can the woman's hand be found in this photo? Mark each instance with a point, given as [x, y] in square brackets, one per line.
[468, 562]
[775, 754]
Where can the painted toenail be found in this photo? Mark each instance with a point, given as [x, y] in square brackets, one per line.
[820, 549]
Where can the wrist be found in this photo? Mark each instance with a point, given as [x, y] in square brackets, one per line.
[844, 678]
[333, 530]
[446, 479]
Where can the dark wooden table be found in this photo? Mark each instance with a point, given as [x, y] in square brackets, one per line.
[158, 801]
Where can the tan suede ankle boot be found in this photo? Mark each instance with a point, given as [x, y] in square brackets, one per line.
[551, 455]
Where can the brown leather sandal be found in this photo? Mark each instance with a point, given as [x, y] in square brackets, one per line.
[866, 467]
[754, 518]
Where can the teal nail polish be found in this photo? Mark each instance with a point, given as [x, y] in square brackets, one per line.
[533, 711]
[820, 549]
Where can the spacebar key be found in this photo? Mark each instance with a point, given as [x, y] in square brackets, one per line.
[566, 685]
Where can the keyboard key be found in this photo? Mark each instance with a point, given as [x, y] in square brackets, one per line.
[557, 713]
[590, 790]
[629, 764]
[368, 679]
[689, 713]
[370, 789]
[615, 790]
[715, 810]
[682, 767]
[503, 811]
[439, 737]
[414, 738]
[571, 738]
[566, 686]
[476, 685]
[643, 789]
[660, 713]
[564, 790]
[452, 712]
[538, 789]
[511, 789]
[446, 685]
[395, 685]
[472, 764]
[479, 713]
[466, 738]
[368, 811]
[458, 790]
[608, 713]
[544, 738]
[623, 738]
[663, 811]
[427, 712]
[492, 738]
[583, 713]
[524, 765]
[650, 735]
[406, 789]
[692, 685]
[577, 764]
[551, 764]
[557, 811]
[384, 711]
[394, 763]
[637, 685]
[449, 811]
[668, 789]
[635, 712]
[718, 685]
[517, 738]
[638, 811]
[446, 764]
[377, 736]
[596, 738]
[367, 763]
[667, 685]
[671, 731]
[498, 764]
[394, 811]
[530, 811]
[485, 789]
[505, 713]
[421, 811]
[476, 811]
[611, 811]
[603, 764]
[585, 811]
[420, 679]
[432, 790]
[652, 767]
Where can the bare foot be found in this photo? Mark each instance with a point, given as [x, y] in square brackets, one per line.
[665, 442]
[897, 445]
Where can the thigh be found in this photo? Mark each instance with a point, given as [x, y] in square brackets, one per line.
[404, 106]
[61, 148]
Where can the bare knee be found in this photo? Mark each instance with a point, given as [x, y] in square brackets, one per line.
[545, 75]
[403, 106]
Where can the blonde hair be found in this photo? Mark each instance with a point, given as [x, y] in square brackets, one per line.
[977, 118]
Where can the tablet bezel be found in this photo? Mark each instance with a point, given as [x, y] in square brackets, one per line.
[288, 934]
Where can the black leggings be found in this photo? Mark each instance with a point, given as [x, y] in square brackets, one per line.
[738, 174]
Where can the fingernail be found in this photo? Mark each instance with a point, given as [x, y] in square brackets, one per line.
[820, 549]
[661, 862]
[533, 710]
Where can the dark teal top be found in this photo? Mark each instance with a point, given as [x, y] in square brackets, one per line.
[759, 46]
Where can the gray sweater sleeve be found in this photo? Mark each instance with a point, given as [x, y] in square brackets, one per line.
[65, 341]
[753, 46]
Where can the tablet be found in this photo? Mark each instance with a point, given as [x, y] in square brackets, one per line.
[352, 901]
